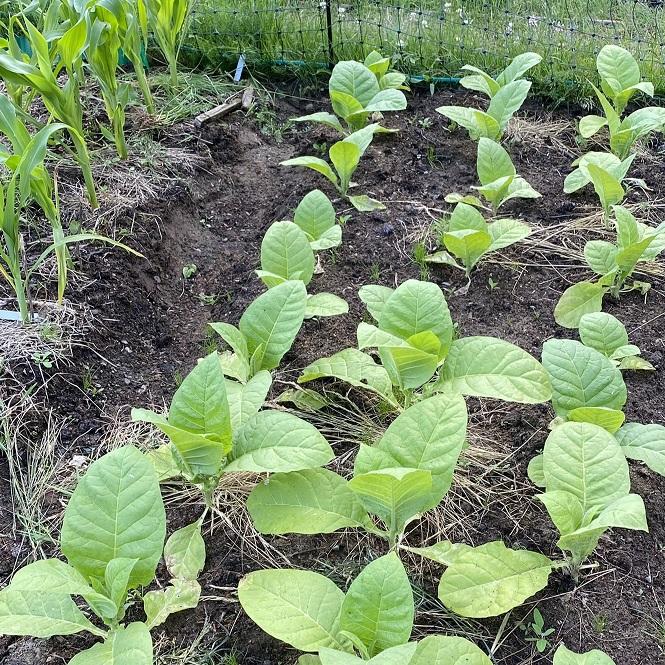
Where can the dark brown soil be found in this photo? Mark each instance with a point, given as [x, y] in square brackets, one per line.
[151, 327]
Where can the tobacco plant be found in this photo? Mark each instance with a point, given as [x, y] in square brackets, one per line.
[112, 538]
[564, 656]
[344, 156]
[414, 337]
[286, 254]
[315, 216]
[370, 623]
[606, 172]
[614, 263]
[584, 473]
[493, 122]
[498, 177]
[483, 82]
[357, 91]
[215, 426]
[63, 102]
[265, 332]
[620, 81]
[469, 238]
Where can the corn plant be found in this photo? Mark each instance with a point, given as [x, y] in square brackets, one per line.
[371, 623]
[286, 254]
[112, 537]
[584, 473]
[63, 102]
[468, 237]
[166, 19]
[493, 122]
[483, 82]
[614, 263]
[344, 156]
[357, 91]
[415, 338]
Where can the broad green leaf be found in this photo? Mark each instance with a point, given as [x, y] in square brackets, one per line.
[493, 161]
[400, 655]
[520, 65]
[490, 367]
[506, 232]
[131, 644]
[609, 419]
[41, 615]
[378, 608]
[285, 252]
[355, 79]
[443, 552]
[315, 215]
[565, 510]
[564, 656]
[308, 501]
[246, 400]
[278, 441]
[535, 471]
[617, 67]
[237, 342]
[299, 607]
[465, 216]
[52, 576]
[603, 332]
[448, 650]
[587, 462]
[416, 307]
[178, 596]
[354, 367]
[185, 552]
[200, 405]
[329, 239]
[581, 377]
[645, 443]
[322, 117]
[492, 579]
[479, 81]
[394, 495]
[507, 101]
[386, 100]
[591, 124]
[601, 256]
[316, 164]
[117, 578]
[325, 304]
[364, 203]
[273, 320]
[635, 363]
[116, 511]
[375, 297]
[608, 188]
[478, 123]
[377, 63]
[429, 435]
[577, 300]
[163, 462]
[345, 157]
[348, 107]
[467, 245]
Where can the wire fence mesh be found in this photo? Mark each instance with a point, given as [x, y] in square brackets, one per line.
[432, 38]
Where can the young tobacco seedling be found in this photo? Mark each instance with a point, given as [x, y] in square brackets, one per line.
[357, 91]
[564, 656]
[406, 473]
[414, 337]
[215, 426]
[614, 263]
[286, 254]
[483, 82]
[315, 215]
[498, 177]
[469, 237]
[373, 619]
[584, 473]
[606, 334]
[345, 156]
[493, 122]
[265, 332]
[112, 537]
[606, 172]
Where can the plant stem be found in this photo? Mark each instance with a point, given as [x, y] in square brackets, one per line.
[144, 86]
[173, 70]
[84, 162]
[119, 133]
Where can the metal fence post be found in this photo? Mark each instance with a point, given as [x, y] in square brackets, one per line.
[329, 26]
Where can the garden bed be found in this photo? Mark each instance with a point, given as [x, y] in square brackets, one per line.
[147, 324]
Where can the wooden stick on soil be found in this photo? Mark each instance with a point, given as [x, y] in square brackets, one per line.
[239, 103]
